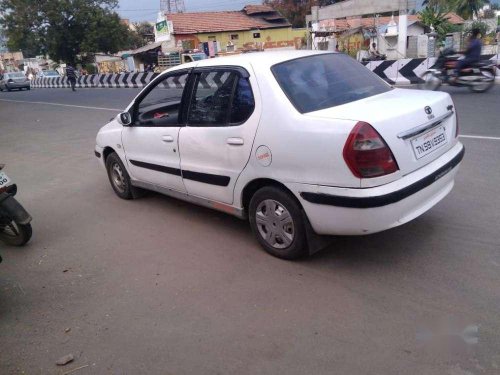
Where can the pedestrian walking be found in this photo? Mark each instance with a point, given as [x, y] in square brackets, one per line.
[71, 75]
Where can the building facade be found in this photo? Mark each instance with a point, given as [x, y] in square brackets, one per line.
[254, 27]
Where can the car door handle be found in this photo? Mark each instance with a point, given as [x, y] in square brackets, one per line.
[167, 138]
[235, 141]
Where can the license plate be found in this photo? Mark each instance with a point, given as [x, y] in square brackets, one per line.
[429, 142]
[4, 180]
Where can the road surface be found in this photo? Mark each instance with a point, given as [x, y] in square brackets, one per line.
[158, 286]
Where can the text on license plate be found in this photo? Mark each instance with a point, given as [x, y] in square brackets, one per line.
[428, 142]
[4, 180]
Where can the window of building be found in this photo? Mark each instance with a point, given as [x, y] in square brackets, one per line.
[235, 36]
[256, 35]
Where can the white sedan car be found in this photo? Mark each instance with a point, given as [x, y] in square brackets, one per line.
[301, 143]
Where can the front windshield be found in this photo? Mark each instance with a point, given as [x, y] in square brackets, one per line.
[199, 56]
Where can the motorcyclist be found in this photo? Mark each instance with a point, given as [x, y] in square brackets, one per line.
[472, 54]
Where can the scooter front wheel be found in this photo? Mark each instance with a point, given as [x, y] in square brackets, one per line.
[431, 81]
[15, 234]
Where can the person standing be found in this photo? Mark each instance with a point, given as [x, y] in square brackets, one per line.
[71, 75]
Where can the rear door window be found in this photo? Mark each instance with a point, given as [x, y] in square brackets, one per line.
[220, 98]
[322, 81]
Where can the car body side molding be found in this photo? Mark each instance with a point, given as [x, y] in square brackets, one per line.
[211, 179]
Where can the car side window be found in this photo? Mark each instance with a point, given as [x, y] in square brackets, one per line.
[211, 98]
[220, 98]
[243, 102]
[161, 106]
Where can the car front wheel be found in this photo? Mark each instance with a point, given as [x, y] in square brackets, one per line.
[276, 220]
[118, 176]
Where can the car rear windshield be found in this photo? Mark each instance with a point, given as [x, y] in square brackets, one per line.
[16, 75]
[328, 80]
[51, 73]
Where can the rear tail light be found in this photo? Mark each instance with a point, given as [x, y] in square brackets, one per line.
[366, 153]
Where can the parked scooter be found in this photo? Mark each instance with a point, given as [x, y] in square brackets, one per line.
[15, 227]
[478, 78]
[374, 58]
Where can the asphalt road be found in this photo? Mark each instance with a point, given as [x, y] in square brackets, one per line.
[158, 286]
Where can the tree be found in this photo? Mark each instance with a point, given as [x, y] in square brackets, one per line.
[63, 29]
[145, 31]
[483, 28]
[442, 4]
[295, 11]
[434, 16]
[468, 8]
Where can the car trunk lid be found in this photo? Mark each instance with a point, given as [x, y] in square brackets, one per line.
[418, 126]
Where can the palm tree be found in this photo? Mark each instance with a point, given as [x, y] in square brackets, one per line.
[443, 4]
[468, 8]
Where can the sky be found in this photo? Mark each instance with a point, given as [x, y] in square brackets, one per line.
[146, 10]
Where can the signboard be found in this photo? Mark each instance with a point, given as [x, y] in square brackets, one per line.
[161, 28]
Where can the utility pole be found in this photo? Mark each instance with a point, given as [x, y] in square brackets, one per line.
[172, 6]
[404, 7]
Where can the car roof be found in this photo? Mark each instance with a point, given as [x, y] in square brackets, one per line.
[264, 59]
[259, 60]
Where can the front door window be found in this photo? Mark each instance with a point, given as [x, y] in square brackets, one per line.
[161, 106]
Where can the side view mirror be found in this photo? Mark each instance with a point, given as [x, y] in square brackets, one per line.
[125, 119]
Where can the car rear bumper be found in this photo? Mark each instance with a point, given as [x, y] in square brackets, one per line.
[17, 85]
[345, 211]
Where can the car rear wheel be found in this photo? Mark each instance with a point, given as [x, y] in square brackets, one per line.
[118, 176]
[276, 220]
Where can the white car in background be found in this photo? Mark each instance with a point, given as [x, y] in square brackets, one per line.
[301, 143]
[48, 74]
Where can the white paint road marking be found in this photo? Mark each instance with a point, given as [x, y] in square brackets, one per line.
[63, 105]
[479, 137]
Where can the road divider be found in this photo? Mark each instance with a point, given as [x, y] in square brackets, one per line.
[403, 71]
[409, 71]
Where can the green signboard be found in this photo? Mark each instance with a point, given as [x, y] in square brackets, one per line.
[161, 27]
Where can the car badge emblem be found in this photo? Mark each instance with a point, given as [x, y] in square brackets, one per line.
[428, 110]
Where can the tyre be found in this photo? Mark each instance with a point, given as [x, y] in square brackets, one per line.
[15, 234]
[276, 220]
[118, 176]
[431, 81]
[487, 82]
[9, 89]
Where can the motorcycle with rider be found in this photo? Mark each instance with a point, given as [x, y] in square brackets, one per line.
[469, 71]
